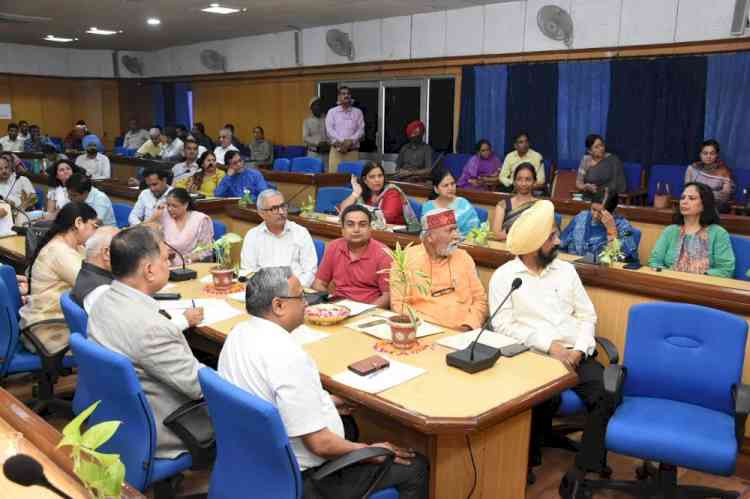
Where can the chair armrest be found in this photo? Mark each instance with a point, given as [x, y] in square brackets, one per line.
[38, 345]
[613, 379]
[353, 457]
[741, 395]
[609, 348]
[192, 424]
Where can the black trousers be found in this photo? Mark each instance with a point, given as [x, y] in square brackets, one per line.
[411, 481]
[593, 454]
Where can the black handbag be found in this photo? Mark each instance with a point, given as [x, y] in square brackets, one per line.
[34, 234]
[192, 424]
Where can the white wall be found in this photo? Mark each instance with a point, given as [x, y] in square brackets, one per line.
[507, 27]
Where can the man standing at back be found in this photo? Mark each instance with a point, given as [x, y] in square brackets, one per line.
[345, 127]
[126, 320]
[314, 132]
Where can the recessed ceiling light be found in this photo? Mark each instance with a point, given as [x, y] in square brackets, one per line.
[153, 21]
[215, 8]
[59, 39]
[107, 32]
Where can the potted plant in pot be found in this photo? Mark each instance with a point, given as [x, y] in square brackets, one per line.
[223, 272]
[405, 279]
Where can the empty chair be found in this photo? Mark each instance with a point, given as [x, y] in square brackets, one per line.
[75, 316]
[292, 152]
[672, 175]
[281, 165]
[328, 198]
[568, 164]
[122, 212]
[416, 206]
[307, 164]
[741, 248]
[320, 249]
[455, 163]
[351, 167]
[481, 213]
[635, 176]
[220, 228]
[110, 377]
[254, 457]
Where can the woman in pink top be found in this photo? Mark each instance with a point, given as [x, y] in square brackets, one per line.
[184, 228]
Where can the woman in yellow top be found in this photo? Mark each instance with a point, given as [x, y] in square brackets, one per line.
[206, 179]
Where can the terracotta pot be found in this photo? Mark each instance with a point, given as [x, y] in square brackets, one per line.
[403, 334]
[222, 277]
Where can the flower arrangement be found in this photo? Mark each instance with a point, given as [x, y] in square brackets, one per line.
[308, 207]
[612, 253]
[479, 235]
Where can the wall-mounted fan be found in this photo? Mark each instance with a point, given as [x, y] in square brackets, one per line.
[213, 60]
[133, 64]
[556, 23]
[340, 43]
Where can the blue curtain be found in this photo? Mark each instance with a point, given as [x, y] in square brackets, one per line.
[532, 106]
[657, 109]
[727, 105]
[466, 133]
[582, 105]
[157, 101]
[491, 91]
[181, 105]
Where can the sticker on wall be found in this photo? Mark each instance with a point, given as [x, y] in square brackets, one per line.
[5, 112]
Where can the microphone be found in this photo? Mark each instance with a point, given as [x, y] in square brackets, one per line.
[183, 274]
[479, 357]
[25, 470]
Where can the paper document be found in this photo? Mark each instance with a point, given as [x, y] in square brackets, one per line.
[379, 328]
[6, 222]
[393, 375]
[214, 310]
[304, 335]
[238, 296]
[355, 307]
[489, 338]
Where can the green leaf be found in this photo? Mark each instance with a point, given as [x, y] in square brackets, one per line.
[90, 473]
[73, 429]
[231, 238]
[69, 440]
[105, 459]
[98, 434]
[114, 477]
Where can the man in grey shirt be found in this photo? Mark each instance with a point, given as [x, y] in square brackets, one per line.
[415, 157]
[314, 133]
[126, 320]
[261, 151]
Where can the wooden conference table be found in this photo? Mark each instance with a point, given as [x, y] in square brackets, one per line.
[437, 413]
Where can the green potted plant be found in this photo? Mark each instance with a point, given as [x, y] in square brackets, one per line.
[101, 474]
[247, 199]
[479, 235]
[612, 253]
[223, 272]
[404, 279]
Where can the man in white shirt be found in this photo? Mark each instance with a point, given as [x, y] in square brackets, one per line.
[261, 357]
[277, 242]
[225, 145]
[95, 163]
[135, 137]
[149, 199]
[171, 150]
[23, 130]
[15, 189]
[152, 147]
[188, 167]
[12, 142]
[552, 313]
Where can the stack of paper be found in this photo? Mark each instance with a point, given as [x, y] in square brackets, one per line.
[489, 338]
[377, 326]
[393, 375]
[304, 335]
[214, 310]
[355, 307]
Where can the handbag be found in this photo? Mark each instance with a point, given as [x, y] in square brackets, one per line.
[662, 198]
[192, 424]
[34, 235]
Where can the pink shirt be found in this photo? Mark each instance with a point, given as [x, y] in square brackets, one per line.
[197, 231]
[358, 279]
[342, 125]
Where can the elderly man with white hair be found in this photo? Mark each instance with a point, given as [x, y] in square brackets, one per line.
[456, 297]
[152, 147]
[278, 242]
[225, 145]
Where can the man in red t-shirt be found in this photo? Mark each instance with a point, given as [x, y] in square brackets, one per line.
[352, 264]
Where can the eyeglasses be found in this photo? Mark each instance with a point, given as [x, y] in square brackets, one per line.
[300, 297]
[277, 208]
[445, 291]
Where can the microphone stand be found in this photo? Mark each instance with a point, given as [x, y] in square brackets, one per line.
[478, 357]
[183, 274]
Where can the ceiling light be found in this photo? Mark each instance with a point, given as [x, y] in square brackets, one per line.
[59, 39]
[153, 21]
[215, 8]
[96, 31]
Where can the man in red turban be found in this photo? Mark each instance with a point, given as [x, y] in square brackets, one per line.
[415, 157]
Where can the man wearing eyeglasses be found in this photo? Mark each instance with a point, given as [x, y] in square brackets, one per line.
[456, 297]
[278, 242]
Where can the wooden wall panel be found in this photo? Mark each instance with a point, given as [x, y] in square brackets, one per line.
[135, 102]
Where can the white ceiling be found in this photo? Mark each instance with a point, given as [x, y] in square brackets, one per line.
[184, 23]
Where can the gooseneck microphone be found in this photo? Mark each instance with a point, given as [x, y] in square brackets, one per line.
[183, 274]
[27, 471]
[478, 357]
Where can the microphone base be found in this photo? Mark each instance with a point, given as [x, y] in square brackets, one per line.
[484, 358]
[20, 230]
[179, 275]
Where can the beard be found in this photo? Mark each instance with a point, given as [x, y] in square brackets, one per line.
[546, 258]
[449, 249]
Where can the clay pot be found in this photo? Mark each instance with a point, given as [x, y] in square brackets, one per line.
[403, 333]
[222, 277]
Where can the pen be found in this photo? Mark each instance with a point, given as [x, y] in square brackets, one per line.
[193, 301]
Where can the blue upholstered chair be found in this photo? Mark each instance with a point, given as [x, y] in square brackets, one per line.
[741, 248]
[558, 221]
[120, 151]
[75, 316]
[278, 151]
[352, 167]
[742, 181]
[320, 249]
[58, 143]
[118, 141]
[416, 206]
[679, 400]
[41, 198]
[220, 228]
[254, 458]
[673, 175]
[329, 197]
[455, 163]
[108, 376]
[307, 164]
[482, 214]
[635, 175]
[122, 212]
[292, 152]
[568, 164]
[281, 164]
[130, 152]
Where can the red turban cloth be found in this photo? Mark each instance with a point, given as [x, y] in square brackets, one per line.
[413, 126]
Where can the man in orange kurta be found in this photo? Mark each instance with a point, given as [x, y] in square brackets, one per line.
[456, 298]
